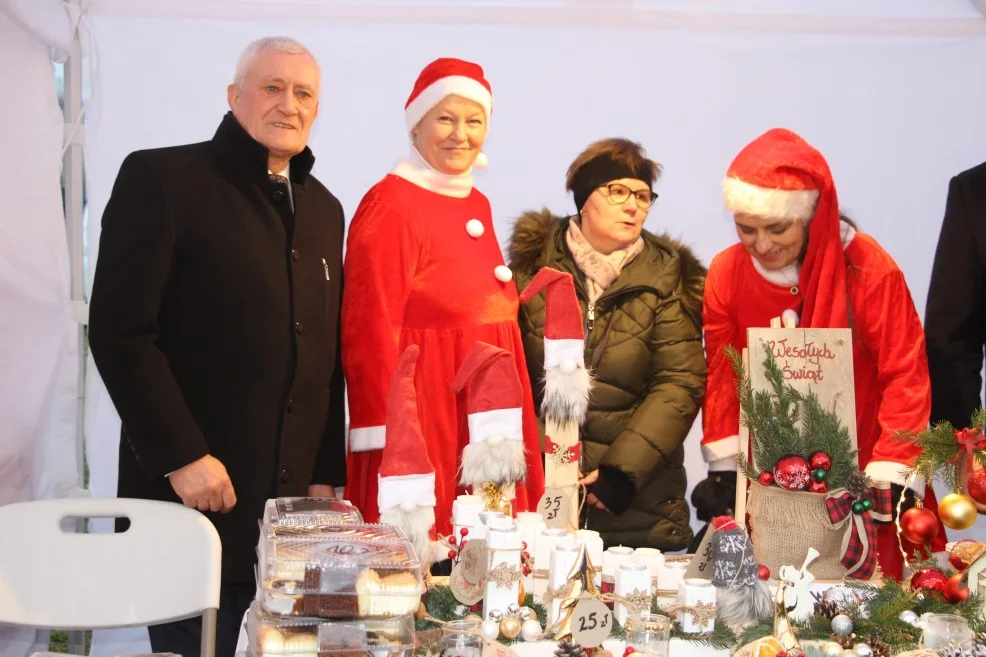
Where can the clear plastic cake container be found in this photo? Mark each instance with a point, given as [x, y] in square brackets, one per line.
[286, 514]
[280, 636]
[339, 577]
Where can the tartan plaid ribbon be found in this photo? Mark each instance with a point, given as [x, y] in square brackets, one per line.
[859, 543]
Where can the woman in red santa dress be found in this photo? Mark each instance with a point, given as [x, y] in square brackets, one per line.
[423, 267]
[798, 254]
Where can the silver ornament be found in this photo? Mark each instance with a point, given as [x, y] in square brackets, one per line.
[863, 650]
[909, 617]
[490, 629]
[831, 649]
[842, 625]
[496, 616]
[512, 609]
[526, 613]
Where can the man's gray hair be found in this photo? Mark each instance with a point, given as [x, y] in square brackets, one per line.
[280, 43]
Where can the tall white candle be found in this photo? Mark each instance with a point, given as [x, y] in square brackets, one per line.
[465, 514]
[653, 559]
[563, 558]
[693, 591]
[503, 541]
[612, 558]
[548, 538]
[631, 578]
[594, 546]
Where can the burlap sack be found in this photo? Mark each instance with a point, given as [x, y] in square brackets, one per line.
[784, 524]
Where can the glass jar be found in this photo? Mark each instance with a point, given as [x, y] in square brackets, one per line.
[945, 631]
[462, 638]
[648, 634]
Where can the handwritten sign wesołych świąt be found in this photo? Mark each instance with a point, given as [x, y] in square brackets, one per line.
[812, 359]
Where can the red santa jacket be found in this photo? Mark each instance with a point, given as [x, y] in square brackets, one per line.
[890, 366]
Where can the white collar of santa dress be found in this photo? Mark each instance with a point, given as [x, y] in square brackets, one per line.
[790, 275]
[415, 169]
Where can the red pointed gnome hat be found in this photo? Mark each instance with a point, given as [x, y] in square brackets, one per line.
[494, 398]
[564, 337]
[781, 176]
[406, 475]
[443, 77]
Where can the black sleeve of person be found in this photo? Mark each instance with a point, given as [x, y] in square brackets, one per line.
[614, 489]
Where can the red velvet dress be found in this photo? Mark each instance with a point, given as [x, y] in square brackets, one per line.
[893, 391]
[414, 275]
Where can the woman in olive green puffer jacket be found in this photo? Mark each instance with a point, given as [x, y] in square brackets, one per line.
[641, 297]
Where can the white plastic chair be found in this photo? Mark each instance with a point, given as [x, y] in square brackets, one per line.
[165, 567]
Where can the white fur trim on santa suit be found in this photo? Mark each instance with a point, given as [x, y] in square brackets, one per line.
[460, 85]
[743, 198]
[495, 459]
[895, 473]
[790, 276]
[411, 490]
[557, 352]
[719, 449]
[365, 439]
[416, 523]
[415, 169]
[566, 394]
[505, 422]
[726, 464]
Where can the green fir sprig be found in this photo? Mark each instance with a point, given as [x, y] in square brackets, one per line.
[784, 421]
[941, 451]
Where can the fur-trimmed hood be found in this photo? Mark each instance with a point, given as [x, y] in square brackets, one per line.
[538, 239]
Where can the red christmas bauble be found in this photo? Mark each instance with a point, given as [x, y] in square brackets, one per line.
[977, 486]
[763, 572]
[955, 589]
[792, 473]
[820, 460]
[919, 525]
[818, 487]
[766, 478]
[928, 579]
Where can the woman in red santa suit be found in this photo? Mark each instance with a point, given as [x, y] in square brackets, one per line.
[423, 267]
[798, 255]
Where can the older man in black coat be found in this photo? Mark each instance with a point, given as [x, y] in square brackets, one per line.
[214, 320]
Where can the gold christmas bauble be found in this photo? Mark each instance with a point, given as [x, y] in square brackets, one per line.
[957, 511]
[510, 627]
[474, 617]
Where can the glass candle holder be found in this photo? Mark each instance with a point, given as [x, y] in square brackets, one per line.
[945, 631]
[648, 634]
[462, 638]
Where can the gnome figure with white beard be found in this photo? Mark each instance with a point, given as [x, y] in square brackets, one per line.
[494, 456]
[406, 492]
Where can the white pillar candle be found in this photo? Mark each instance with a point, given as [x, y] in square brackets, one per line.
[653, 559]
[668, 580]
[548, 538]
[612, 558]
[465, 513]
[631, 577]
[691, 592]
[484, 519]
[563, 558]
[594, 547]
[503, 542]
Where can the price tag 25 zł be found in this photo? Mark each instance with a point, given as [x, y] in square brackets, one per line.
[555, 506]
[592, 622]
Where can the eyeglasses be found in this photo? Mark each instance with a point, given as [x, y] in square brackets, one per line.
[619, 193]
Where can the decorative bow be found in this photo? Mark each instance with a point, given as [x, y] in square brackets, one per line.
[859, 543]
[562, 455]
[971, 441]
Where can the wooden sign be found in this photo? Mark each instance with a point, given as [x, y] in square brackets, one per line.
[813, 359]
[556, 506]
[592, 622]
[562, 459]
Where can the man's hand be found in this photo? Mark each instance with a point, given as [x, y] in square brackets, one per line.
[590, 498]
[204, 485]
[321, 490]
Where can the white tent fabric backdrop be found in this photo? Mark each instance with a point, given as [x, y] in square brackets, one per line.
[38, 352]
[894, 103]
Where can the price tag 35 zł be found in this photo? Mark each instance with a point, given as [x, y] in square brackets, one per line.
[556, 507]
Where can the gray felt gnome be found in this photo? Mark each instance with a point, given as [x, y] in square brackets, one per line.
[740, 593]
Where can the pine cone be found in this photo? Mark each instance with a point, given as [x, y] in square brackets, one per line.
[826, 608]
[880, 648]
[847, 641]
[568, 648]
[858, 484]
[979, 639]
